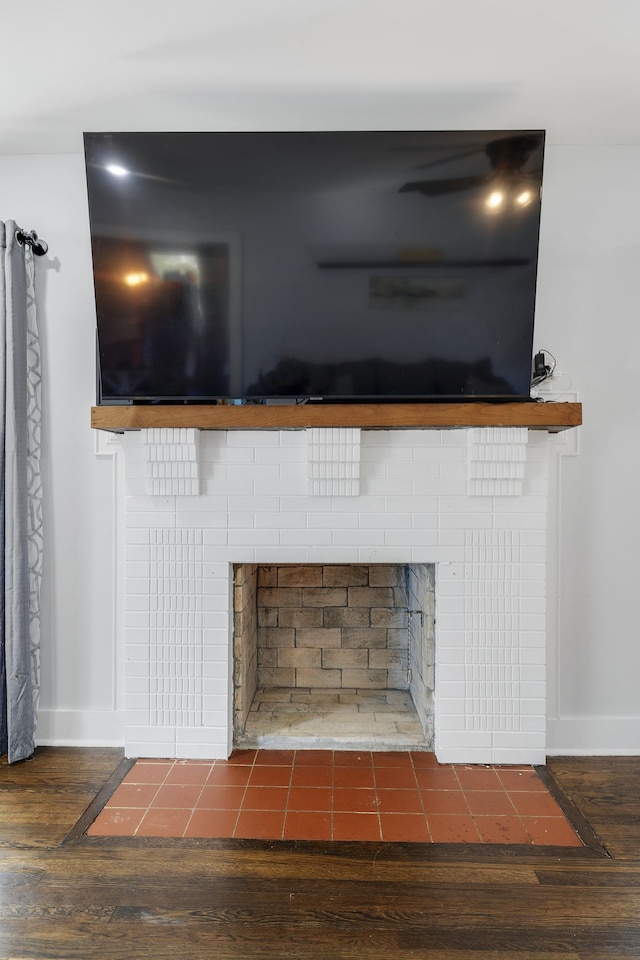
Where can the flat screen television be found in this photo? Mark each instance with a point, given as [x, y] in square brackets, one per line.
[335, 266]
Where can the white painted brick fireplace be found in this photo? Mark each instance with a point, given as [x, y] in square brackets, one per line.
[471, 501]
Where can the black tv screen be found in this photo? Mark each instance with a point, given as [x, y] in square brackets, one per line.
[314, 265]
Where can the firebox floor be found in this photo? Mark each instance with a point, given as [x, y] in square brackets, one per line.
[331, 719]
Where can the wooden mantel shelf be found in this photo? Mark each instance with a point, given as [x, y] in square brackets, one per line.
[549, 416]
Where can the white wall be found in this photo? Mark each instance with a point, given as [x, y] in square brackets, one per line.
[588, 307]
[587, 317]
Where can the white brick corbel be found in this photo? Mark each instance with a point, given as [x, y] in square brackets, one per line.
[333, 455]
[496, 459]
[172, 465]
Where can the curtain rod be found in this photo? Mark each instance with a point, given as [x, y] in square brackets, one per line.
[31, 238]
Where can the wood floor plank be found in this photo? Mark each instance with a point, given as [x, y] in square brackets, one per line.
[275, 862]
[590, 876]
[246, 942]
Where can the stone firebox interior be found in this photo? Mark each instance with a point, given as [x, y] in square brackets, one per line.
[334, 655]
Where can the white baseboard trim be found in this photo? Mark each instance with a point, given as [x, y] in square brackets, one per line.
[80, 728]
[593, 736]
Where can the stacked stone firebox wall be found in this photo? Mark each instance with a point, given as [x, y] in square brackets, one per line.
[355, 626]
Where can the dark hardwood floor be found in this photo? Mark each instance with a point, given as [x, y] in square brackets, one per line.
[64, 895]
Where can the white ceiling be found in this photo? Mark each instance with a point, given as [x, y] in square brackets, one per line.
[569, 66]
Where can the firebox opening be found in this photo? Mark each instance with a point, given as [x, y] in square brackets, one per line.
[335, 656]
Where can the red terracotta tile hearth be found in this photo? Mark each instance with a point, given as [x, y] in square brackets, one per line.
[343, 795]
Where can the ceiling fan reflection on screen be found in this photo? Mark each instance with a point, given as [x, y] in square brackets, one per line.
[506, 179]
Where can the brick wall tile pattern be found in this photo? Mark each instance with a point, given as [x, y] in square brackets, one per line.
[414, 506]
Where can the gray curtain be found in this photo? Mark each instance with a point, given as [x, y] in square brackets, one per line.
[20, 499]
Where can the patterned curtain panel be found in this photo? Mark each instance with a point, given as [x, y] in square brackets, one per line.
[21, 498]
